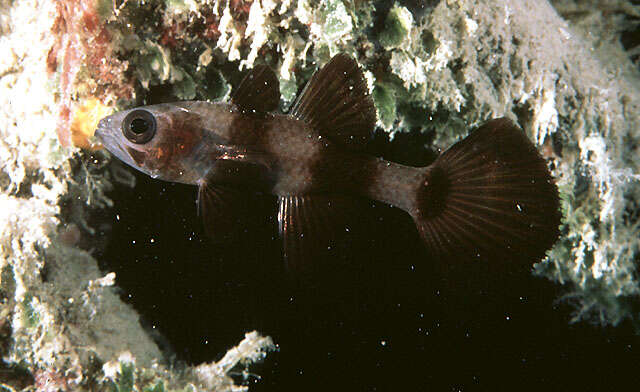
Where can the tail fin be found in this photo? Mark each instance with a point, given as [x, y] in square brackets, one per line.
[493, 198]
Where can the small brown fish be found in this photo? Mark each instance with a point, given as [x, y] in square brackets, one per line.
[490, 194]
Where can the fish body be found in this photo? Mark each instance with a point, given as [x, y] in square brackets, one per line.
[490, 193]
[196, 139]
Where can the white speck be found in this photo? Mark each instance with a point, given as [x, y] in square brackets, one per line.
[133, 242]
[565, 34]
[508, 318]
[507, 15]
[518, 207]
[117, 217]
[152, 240]
[383, 343]
[471, 25]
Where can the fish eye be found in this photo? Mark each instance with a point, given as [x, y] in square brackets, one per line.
[139, 126]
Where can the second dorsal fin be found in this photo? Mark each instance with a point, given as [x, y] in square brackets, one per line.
[336, 102]
[259, 91]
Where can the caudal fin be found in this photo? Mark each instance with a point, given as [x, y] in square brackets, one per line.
[494, 198]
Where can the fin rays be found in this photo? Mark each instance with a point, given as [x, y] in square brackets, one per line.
[258, 92]
[500, 199]
[311, 226]
[337, 104]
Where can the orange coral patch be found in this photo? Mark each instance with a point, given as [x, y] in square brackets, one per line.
[84, 122]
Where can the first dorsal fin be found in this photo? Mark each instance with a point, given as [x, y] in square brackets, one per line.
[259, 91]
[336, 102]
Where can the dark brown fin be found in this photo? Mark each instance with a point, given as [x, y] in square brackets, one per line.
[492, 198]
[313, 226]
[336, 102]
[228, 198]
[223, 211]
[259, 91]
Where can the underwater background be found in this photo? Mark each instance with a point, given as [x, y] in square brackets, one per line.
[108, 282]
[386, 319]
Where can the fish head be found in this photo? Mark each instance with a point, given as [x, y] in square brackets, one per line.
[154, 139]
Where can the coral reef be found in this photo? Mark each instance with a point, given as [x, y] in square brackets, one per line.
[63, 327]
[436, 67]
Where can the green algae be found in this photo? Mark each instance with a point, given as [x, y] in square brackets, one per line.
[385, 101]
[338, 23]
[125, 380]
[158, 387]
[31, 315]
[397, 26]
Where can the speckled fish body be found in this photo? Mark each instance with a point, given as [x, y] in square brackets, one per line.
[490, 193]
[198, 141]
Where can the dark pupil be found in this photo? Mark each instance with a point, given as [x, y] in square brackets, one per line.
[139, 125]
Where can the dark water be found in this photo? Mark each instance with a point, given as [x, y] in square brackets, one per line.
[380, 315]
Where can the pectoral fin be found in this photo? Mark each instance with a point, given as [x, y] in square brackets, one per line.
[229, 198]
[223, 210]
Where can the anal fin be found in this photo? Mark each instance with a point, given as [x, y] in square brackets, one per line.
[312, 227]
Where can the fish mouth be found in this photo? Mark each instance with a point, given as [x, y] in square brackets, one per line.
[113, 144]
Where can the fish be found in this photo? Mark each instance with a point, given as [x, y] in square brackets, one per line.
[489, 195]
